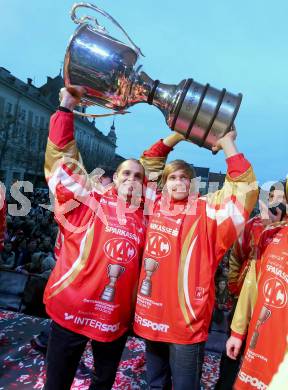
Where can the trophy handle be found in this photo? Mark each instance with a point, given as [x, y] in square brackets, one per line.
[100, 115]
[79, 113]
[97, 26]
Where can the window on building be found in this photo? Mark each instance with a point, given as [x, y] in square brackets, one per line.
[21, 131]
[9, 108]
[36, 121]
[2, 105]
[2, 175]
[43, 142]
[23, 115]
[15, 130]
[34, 142]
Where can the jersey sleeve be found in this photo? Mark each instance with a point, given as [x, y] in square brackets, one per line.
[154, 160]
[64, 170]
[245, 304]
[228, 209]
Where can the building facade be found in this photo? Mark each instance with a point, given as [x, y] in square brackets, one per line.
[210, 181]
[25, 111]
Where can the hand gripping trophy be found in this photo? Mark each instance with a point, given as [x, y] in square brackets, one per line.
[109, 71]
[114, 271]
[150, 266]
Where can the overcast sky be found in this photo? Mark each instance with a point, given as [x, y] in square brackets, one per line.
[238, 45]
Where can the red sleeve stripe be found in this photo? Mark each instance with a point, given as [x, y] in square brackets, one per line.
[159, 149]
[237, 165]
[238, 335]
[61, 130]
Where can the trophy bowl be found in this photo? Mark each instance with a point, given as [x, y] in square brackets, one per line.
[110, 72]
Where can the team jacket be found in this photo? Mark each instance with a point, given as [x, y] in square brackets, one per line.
[92, 288]
[243, 251]
[176, 287]
[263, 303]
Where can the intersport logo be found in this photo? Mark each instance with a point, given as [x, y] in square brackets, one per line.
[150, 324]
[253, 381]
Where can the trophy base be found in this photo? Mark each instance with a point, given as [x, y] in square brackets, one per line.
[108, 294]
[146, 288]
[201, 113]
[254, 340]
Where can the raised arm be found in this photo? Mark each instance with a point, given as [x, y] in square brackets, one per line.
[64, 169]
[228, 209]
[154, 158]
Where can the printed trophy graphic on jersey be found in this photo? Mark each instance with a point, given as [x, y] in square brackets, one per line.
[114, 271]
[150, 266]
[275, 296]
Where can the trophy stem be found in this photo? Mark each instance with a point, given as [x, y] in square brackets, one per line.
[264, 315]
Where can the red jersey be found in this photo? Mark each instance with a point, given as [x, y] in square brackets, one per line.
[182, 251]
[266, 340]
[243, 252]
[92, 288]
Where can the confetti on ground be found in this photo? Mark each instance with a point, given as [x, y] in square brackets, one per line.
[21, 367]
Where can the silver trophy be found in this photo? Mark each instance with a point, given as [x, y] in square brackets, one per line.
[150, 266]
[114, 271]
[109, 71]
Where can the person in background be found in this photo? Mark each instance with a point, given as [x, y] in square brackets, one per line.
[7, 257]
[242, 254]
[25, 256]
[46, 245]
[223, 297]
[261, 314]
[243, 250]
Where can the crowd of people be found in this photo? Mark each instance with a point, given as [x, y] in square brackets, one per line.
[147, 255]
[28, 241]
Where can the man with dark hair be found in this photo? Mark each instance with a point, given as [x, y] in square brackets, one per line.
[7, 256]
[92, 289]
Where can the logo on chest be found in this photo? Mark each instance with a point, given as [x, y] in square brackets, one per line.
[120, 249]
[274, 292]
[157, 245]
